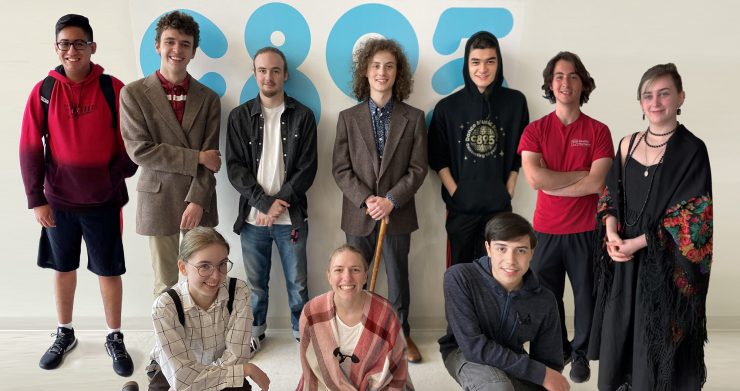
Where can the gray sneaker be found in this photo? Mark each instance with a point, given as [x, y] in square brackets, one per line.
[64, 342]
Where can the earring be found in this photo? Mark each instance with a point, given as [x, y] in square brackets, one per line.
[643, 116]
[678, 112]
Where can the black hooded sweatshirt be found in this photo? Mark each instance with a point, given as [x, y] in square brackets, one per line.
[475, 135]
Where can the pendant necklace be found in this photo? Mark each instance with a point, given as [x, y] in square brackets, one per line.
[647, 164]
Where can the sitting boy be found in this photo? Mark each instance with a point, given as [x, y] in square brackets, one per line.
[493, 306]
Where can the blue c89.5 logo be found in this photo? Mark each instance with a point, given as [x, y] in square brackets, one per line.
[454, 25]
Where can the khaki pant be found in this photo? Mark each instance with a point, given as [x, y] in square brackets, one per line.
[164, 251]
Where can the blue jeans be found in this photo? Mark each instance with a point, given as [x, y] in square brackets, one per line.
[257, 256]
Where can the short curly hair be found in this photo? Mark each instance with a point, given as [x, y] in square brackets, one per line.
[588, 82]
[181, 22]
[404, 79]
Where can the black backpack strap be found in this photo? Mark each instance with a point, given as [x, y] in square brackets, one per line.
[232, 290]
[47, 86]
[106, 84]
[178, 305]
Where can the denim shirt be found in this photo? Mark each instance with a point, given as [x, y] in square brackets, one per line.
[245, 131]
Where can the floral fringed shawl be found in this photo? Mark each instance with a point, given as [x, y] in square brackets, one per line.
[674, 274]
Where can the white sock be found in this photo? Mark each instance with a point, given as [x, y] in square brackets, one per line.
[111, 331]
[66, 325]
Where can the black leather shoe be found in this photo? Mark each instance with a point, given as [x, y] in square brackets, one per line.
[580, 371]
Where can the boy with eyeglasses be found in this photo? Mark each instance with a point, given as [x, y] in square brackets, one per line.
[73, 165]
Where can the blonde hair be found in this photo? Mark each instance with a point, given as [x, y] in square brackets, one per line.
[349, 248]
[199, 238]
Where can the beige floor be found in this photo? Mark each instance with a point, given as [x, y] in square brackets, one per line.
[89, 368]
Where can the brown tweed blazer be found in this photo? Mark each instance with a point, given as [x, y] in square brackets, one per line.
[359, 173]
[167, 153]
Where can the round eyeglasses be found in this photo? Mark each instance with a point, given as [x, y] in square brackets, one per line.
[206, 269]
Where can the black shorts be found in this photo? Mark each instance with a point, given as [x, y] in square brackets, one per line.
[59, 247]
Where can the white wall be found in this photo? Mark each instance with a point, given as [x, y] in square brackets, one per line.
[616, 40]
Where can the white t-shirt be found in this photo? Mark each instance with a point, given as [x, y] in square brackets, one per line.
[271, 172]
[347, 337]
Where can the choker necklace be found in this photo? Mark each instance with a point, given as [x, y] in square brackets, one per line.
[658, 135]
[662, 134]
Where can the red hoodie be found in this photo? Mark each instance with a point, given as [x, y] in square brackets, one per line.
[88, 162]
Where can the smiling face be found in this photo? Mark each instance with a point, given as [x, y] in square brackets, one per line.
[269, 70]
[347, 274]
[660, 101]
[76, 62]
[566, 84]
[510, 260]
[202, 289]
[381, 73]
[175, 50]
[482, 67]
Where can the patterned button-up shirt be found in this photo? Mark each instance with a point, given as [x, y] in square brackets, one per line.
[208, 352]
[381, 118]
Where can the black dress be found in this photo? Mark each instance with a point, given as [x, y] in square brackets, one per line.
[649, 322]
[621, 352]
